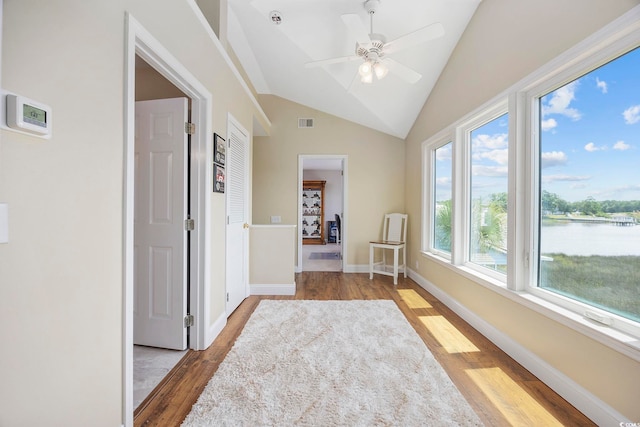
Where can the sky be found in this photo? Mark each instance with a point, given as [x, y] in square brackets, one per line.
[589, 136]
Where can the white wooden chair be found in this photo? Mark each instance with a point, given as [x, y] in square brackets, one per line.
[394, 237]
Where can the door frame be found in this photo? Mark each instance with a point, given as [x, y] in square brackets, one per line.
[138, 41]
[343, 223]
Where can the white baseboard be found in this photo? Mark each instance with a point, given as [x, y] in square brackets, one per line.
[585, 401]
[274, 289]
[356, 268]
[214, 330]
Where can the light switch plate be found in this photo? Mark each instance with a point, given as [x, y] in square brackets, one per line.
[276, 219]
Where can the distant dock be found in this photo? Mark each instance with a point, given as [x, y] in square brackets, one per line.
[619, 220]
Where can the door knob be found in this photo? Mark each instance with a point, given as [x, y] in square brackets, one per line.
[245, 225]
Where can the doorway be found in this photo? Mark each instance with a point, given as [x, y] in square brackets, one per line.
[330, 255]
[140, 45]
[161, 199]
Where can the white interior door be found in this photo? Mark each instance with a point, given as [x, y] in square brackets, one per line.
[237, 189]
[160, 239]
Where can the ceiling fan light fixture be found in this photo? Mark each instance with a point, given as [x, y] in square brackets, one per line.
[367, 78]
[365, 69]
[380, 70]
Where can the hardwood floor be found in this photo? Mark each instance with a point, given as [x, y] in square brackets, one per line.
[501, 391]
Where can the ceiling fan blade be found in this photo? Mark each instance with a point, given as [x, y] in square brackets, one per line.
[331, 61]
[417, 37]
[356, 28]
[402, 71]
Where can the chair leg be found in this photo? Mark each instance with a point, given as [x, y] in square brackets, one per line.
[371, 262]
[404, 261]
[395, 266]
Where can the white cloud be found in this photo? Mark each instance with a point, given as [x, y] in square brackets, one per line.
[553, 158]
[479, 170]
[490, 142]
[560, 101]
[569, 178]
[632, 115]
[444, 182]
[624, 192]
[501, 157]
[548, 124]
[444, 153]
[602, 85]
[591, 147]
[621, 145]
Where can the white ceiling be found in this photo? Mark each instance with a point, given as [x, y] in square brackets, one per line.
[274, 56]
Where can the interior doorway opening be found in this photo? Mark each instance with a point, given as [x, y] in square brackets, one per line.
[322, 213]
[152, 362]
[141, 45]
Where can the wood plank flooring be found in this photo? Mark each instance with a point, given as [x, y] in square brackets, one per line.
[501, 391]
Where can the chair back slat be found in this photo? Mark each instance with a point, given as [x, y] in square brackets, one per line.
[395, 227]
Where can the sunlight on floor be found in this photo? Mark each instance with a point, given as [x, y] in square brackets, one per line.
[510, 399]
[448, 335]
[413, 299]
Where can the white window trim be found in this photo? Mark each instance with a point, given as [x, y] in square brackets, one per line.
[591, 58]
[463, 163]
[621, 35]
[428, 189]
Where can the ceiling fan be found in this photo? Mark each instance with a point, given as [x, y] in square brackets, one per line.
[373, 48]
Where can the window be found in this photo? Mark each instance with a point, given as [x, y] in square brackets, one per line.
[589, 188]
[536, 194]
[488, 195]
[442, 216]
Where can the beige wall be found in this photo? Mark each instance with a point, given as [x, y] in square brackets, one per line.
[375, 170]
[505, 41]
[61, 274]
[272, 250]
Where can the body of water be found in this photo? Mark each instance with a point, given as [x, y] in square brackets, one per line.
[578, 238]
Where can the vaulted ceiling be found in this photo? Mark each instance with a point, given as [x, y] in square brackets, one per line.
[275, 55]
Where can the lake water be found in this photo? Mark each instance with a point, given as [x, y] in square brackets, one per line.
[578, 238]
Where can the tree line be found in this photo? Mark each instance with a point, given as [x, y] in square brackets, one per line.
[553, 203]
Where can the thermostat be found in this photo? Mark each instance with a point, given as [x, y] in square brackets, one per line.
[29, 116]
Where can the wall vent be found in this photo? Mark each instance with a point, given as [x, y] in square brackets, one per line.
[305, 123]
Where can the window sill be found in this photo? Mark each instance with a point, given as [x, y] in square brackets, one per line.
[612, 338]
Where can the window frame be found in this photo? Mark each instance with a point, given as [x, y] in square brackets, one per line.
[429, 178]
[533, 98]
[496, 109]
[615, 39]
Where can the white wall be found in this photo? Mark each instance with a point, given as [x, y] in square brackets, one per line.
[61, 274]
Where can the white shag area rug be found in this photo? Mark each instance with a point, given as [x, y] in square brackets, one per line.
[330, 363]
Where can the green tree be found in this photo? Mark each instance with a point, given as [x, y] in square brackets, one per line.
[443, 226]
[488, 223]
[589, 206]
[551, 202]
[499, 202]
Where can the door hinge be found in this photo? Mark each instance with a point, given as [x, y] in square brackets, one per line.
[189, 128]
[188, 320]
[189, 224]
[227, 296]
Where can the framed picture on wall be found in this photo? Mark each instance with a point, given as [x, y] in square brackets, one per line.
[218, 178]
[219, 149]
